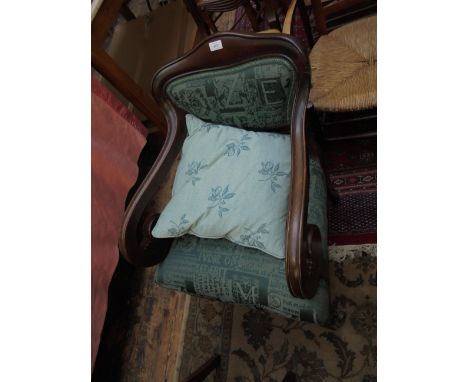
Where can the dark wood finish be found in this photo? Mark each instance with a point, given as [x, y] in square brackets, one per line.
[270, 13]
[330, 16]
[343, 5]
[204, 370]
[105, 65]
[126, 12]
[203, 11]
[192, 8]
[103, 20]
[303, 242]
[348, 125]
[290, 377]
[319, 16]
[305, 21]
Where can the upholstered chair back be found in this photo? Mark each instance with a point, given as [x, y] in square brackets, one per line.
[256, 94]
[250, 82]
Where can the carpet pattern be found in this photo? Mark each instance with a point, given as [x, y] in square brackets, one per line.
[352, 168]
[208, 332]
[260, 346]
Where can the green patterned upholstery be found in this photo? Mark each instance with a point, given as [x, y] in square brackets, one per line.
[231, 273]
[257, 94]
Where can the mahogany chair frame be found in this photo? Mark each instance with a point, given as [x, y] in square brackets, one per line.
[331, 16]
[303, 259]
[109, 69]
[203, 11]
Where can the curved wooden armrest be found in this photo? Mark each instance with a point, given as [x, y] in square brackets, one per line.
[303, 241]
[289, 17]
[136, 243]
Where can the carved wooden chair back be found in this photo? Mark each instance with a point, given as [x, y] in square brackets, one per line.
[175, 90]
[207, 12]
[331, 14]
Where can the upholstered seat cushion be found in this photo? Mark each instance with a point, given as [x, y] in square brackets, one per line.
[231, 273]
[344, 68]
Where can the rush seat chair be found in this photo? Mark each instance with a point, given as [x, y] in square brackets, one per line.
[343, 61]
[259, 83]
[344, 67]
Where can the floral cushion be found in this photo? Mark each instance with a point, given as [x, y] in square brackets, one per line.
[231, 273]
[233, 184]
[257, 94]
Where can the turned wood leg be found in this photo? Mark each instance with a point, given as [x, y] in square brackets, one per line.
[306, 22]
[196, 14]
[204, 370]
[208, 20]
[269, 13]
[289, 377]
[316, 142]
[249, 11]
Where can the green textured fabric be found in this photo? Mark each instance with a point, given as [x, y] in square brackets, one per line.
[222, 270]
[237, 189]
[257, 94]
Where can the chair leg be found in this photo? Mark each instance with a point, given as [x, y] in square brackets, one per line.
[289, 377]
[204, 370]
[249, 11]
[269, 14]
[306, 21]
[196, 14]
[331, 192]
[208, 20]
[317, 140]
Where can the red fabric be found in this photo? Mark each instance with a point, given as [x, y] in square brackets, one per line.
[117, 138]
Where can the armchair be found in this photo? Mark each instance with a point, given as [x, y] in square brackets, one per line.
[266, 279]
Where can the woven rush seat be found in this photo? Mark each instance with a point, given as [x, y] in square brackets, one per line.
[220, 269]
[344, 68]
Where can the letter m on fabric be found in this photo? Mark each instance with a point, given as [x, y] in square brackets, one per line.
[245, 292]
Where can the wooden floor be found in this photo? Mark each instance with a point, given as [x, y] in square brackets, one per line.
[144, 329]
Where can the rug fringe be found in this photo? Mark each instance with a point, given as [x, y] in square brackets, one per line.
[339, 253]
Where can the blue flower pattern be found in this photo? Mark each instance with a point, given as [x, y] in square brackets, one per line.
[193, 169]
[237, 146]
[271, 171]
[178, 229]
[218, 197]
[208, 126]
[252, 238]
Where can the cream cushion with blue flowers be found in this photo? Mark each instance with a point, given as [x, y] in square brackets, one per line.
[230, 183]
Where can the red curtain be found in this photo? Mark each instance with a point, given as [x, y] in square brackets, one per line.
[117, 138]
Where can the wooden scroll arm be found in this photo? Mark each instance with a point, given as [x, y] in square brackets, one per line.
[303, 241]
[136, 243]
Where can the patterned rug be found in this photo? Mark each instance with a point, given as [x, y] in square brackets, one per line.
[259, 346]
[352, 167]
